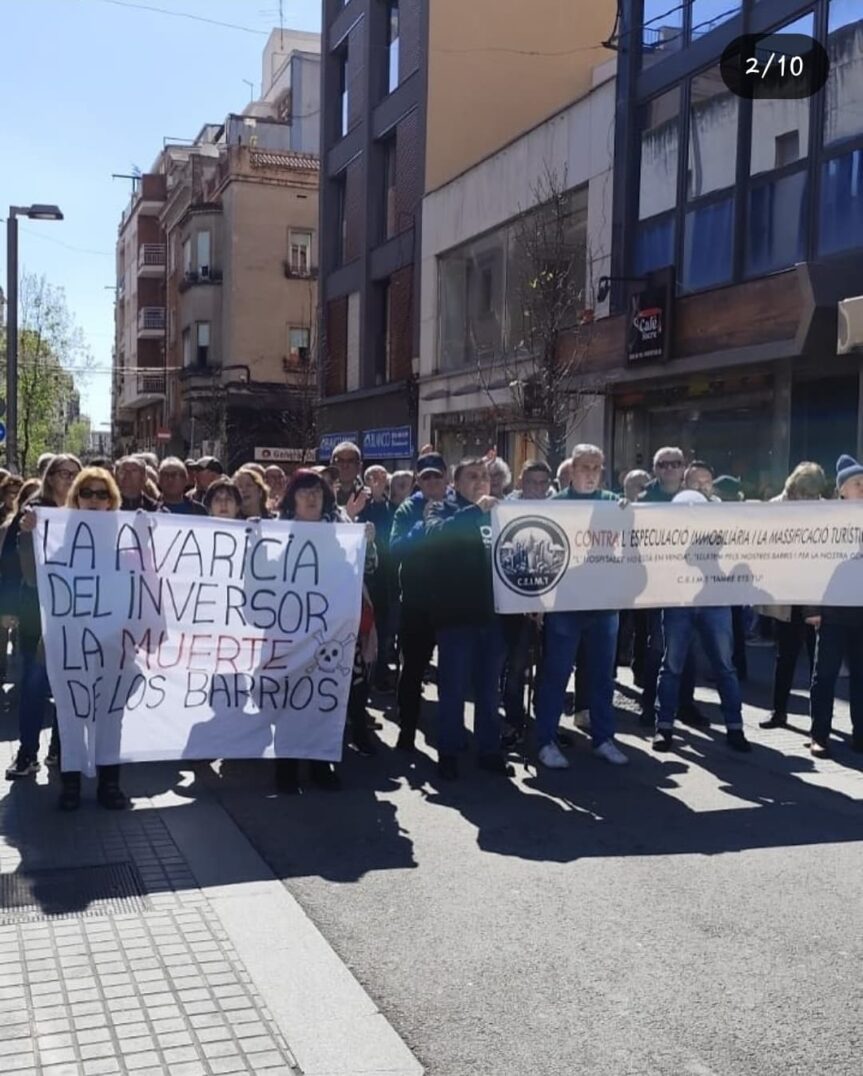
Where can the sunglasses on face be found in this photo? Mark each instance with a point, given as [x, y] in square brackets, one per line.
[88, 494]
[665, 465]
[63, 473]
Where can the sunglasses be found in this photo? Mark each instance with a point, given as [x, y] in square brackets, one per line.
[666, 465]
[89, 494]
[63, 473]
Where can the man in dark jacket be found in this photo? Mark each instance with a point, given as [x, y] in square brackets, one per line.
[380, 512]
[562, 635]
[409, 549]
[131, 476]
[840, 634]
[469, 636]
[173, 479]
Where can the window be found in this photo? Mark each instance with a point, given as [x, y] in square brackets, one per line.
[342, 218]
[392, 44]
[300, 253]
[712, 160]
[843, 115]
[654, 244]
[344, 103]
[707, 245]
[773, 118]
[187, 255]
[660, 145]
[187, 347]
[203, 343]
[298, 345]
[787, 149]
[841, 216]
[708, 14]
[662, 32]
[389, 209]
[777, 224]
[202, 249]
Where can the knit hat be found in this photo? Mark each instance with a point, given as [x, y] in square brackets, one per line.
[846, 467]
[728, 487]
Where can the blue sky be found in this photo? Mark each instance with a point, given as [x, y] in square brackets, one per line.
[92, 87]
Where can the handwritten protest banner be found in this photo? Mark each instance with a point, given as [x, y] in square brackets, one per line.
[171, 637]
[570, 555]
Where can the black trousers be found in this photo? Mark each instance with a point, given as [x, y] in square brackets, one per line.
[416, 646]
[791, 636]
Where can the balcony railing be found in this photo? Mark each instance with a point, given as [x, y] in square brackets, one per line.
[151, 384]
[151, 256]
[151, 319]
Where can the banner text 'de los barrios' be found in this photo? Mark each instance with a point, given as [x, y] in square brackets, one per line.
[170, 637]
[582, 555]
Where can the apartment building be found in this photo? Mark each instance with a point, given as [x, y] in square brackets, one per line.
[217, 267]
[744, 219]
[413, 94]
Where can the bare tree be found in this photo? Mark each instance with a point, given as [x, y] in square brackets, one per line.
[542, 365]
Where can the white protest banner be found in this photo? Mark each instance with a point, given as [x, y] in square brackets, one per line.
[569, 555]
[171, 637]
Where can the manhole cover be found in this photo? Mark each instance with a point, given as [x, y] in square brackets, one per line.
[107, 889]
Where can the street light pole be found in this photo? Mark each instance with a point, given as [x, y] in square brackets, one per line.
[12, 342]
[33, 212]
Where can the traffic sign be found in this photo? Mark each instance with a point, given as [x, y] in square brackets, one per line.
[163, 434]
[2, 432]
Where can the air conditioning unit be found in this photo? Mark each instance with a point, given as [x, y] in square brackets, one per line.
[850, 325]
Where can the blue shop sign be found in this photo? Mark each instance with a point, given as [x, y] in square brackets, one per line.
[389, 443]
[330, 440]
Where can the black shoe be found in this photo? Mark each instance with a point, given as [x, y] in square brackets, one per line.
[775, 721]
[324, 776]
[690, 715]
[511, 739]
[663, 741]
[447, 767]
[494, 763]
[564, 739]
[737, 741]
[111, 797]
[24, 765]
[69, 799]
[406, 740]
[364, 744]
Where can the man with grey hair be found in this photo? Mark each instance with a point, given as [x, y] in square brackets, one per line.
[562, 476]
[669, 466]
[500, 477]
[563, 633]
[173, 479]
[131, 475]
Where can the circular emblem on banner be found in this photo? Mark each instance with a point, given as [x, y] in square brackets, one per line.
[531, 555]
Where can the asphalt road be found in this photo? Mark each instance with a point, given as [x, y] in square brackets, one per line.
[696, 913]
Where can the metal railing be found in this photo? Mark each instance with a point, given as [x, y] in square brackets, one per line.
[151, 317]
[151, 254]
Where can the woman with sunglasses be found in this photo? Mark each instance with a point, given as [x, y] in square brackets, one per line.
[19, 606]
[93, 490]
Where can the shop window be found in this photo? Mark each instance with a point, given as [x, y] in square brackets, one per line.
[771, 119]
[777, 228]
[713, 112]
[654, 244]
[841, 217]
[843, 114]
[707, 245]
[660, 148]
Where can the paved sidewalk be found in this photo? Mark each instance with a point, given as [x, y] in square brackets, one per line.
[155, 941]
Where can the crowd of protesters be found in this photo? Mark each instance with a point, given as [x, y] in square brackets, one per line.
[428, 589]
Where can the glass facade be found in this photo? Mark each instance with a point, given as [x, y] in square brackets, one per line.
[764, 183]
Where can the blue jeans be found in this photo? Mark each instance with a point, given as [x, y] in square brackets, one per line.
[465, 655]
[34, 693]
[563, 633]
[717, 638]
[836, 641]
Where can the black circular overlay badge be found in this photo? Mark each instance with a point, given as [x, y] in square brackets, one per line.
[774, 67]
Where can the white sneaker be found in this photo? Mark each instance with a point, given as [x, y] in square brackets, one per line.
[611, 753]
[581, 719]
[553, 758]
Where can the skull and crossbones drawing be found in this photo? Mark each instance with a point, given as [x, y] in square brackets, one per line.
[333, 655]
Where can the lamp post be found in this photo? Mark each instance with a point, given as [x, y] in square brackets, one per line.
[33, 212]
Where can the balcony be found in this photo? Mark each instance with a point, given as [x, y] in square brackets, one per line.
[151, 259]
[151, 384]
[205, 275]
[151, 322]
[139, 389]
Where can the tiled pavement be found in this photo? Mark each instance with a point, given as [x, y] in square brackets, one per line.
[155, 989]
